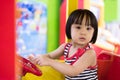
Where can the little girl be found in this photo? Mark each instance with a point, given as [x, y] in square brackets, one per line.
[80, 57]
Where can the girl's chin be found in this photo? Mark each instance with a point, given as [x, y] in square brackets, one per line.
[82, 43]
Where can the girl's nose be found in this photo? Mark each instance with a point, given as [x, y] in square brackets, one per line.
[83, 31]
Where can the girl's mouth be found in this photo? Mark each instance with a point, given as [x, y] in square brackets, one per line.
[82, 39]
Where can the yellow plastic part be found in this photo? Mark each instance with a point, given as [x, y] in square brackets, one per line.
[48, 73]
[71, 6]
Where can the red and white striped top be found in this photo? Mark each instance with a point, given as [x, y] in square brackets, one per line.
[89, 74]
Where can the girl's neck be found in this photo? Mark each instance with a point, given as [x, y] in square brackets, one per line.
[75, 45]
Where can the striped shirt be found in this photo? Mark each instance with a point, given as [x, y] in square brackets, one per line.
[89, 74]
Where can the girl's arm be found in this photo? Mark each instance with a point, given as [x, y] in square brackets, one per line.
[53, 55]
[88, 59]
[56, 53]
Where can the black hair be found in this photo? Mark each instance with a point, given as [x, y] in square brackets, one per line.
[76, 17]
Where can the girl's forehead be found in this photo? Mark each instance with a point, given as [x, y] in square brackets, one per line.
[82, 19]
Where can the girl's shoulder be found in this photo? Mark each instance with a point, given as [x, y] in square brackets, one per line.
[65, 44]
[90, 50]
[62, 46]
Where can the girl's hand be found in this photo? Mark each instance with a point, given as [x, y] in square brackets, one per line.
[41, 60]
[31, 57]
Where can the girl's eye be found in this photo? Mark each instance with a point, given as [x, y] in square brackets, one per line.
[89, 28]
[78, 27]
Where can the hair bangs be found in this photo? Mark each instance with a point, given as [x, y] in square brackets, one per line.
[88, 20]
[79, 19]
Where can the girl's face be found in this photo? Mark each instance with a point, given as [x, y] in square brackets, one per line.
[82, 33]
